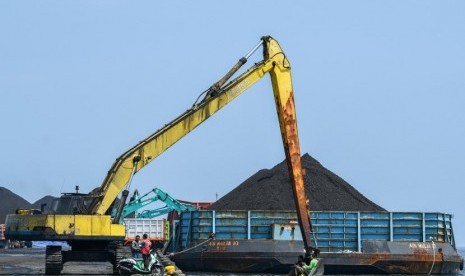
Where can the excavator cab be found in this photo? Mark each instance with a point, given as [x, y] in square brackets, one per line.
[71, 204]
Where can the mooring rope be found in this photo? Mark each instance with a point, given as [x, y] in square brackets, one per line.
[212, 237]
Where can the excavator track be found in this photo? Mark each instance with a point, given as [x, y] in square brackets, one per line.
[53, 260]
[120, 251]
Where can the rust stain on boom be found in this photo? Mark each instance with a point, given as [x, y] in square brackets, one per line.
[296, 172]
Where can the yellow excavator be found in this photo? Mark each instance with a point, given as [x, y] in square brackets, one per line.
[84, 221]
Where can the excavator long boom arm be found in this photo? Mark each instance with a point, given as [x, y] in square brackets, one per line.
[276, 64]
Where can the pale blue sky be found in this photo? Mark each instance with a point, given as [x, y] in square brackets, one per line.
[379, 89]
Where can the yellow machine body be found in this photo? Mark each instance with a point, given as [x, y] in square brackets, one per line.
[94, 224]
[64, 227]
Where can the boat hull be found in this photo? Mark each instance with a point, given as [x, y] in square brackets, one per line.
[267, 241]
[268, 256]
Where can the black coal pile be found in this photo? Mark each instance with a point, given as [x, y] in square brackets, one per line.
[44, 204]
[10, 201]
[270, 189]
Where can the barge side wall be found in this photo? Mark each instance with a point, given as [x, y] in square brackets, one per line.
[334, 231]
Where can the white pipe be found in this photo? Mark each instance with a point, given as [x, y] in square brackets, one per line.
[434, 255]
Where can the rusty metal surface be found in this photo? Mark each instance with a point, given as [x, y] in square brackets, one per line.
[343, 264]
[384, 263]
[409, 247]
[284, 98]
[383, 257]
[295, 168]
[268, 256]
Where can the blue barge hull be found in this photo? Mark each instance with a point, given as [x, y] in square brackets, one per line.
[351, 242]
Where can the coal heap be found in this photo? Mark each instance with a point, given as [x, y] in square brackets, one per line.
[270, 189]
[10, 202]
[47, 200]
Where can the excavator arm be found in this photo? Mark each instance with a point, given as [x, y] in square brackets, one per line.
[276, 64]
[138, 203]
[90, 232]
[154, 145]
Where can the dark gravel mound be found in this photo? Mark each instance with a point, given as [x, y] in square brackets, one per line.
[9, 202]
[48, 200]
[270, 189]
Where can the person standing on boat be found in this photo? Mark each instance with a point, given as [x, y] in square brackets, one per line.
[305, 266]
[313, 263]
[135, 248]
[146, 247]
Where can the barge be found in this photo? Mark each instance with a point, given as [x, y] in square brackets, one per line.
[350, 242]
